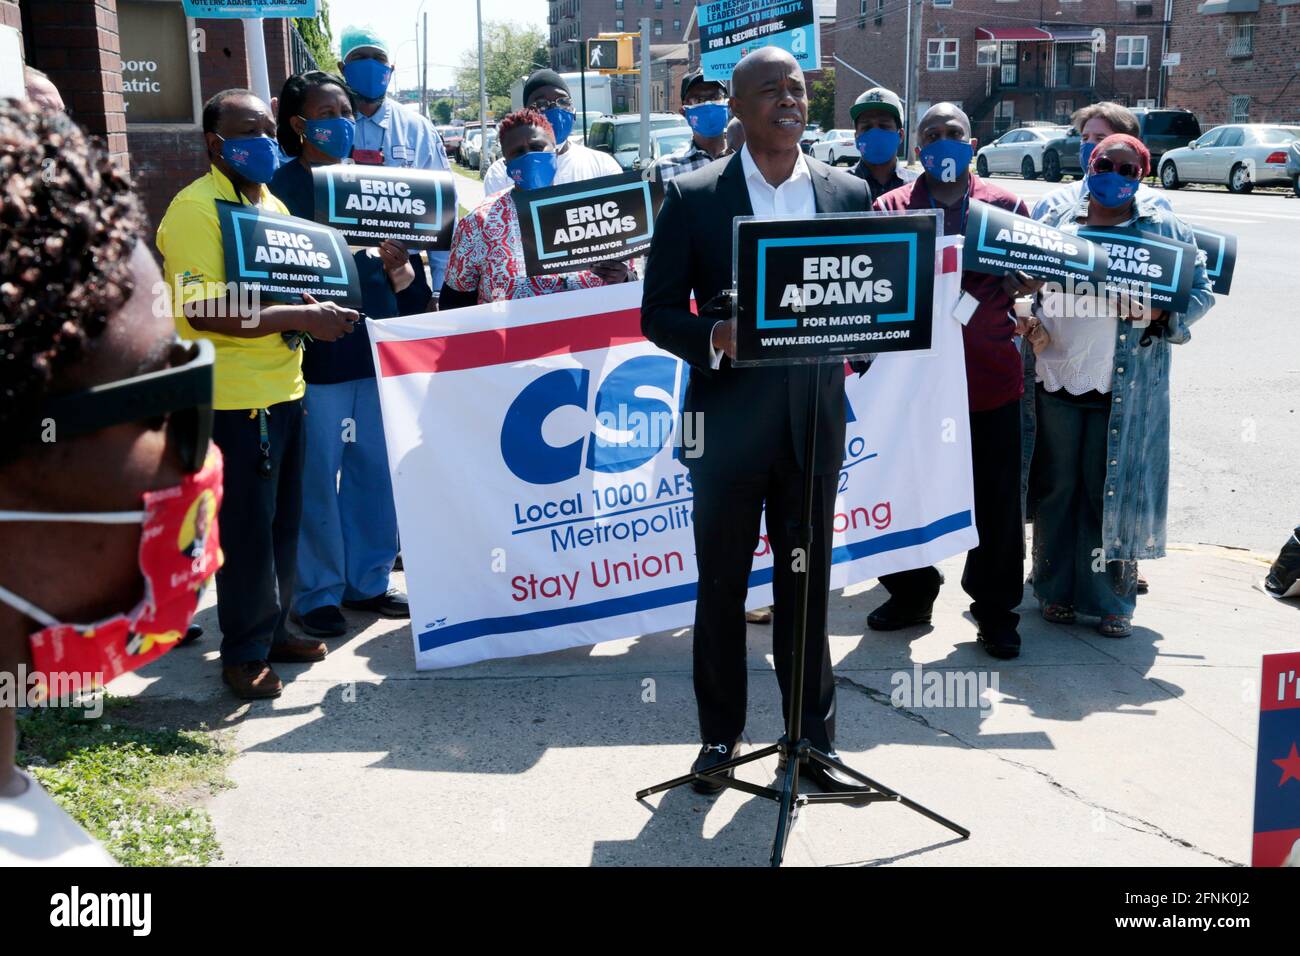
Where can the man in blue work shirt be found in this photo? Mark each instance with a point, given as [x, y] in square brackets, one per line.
[388, 134]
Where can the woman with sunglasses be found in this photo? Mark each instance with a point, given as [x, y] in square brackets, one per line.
[1101, 469]
[109, 485]
[347, 542]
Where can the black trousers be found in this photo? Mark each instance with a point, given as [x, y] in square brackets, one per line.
[994, 576]
[259, 529]
[727, 513]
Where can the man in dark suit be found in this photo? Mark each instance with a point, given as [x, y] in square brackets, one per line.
[753, 419]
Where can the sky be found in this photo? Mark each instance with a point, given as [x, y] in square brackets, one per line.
[452, 30]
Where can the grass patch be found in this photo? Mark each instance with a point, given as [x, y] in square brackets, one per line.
[465, 171]
[133, 789]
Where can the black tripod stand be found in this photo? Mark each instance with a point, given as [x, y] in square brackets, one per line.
[793, 747]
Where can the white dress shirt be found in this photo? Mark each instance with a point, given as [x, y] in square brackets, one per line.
[792, 198]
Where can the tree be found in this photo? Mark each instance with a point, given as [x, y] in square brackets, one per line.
[821, 106]
[510, 51]
[318, 36]
[441, 111]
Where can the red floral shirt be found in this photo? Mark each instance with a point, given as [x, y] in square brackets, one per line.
[488, 255]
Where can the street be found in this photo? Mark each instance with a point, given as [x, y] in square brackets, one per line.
[1235, 429]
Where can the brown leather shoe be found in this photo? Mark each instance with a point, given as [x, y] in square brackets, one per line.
[296, 650]
[762, 615]
[252, 680]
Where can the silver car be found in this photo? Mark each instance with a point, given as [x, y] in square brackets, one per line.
[1018, 151]
[836, 147]
[1240, 156]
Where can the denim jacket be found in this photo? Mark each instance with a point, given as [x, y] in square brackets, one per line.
[1136, 492]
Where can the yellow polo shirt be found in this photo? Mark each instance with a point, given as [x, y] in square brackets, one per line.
[249, 373]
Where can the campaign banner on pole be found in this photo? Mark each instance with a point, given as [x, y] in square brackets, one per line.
[1220, 257]
[731, 28]
[572, 227]
[1139, 263]
[999, 241]
[539, 470]
[284, 256]
[369, 204]
[1277, 769]
[249, 9]
[843, 285]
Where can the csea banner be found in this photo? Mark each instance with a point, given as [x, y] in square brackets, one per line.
[540, 471]
[250, 9]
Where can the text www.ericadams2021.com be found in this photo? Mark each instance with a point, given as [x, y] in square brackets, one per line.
[832, 338]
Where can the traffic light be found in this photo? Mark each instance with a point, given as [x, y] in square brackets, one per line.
[611, 53]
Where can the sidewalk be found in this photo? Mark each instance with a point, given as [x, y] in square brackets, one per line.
[1094, 752]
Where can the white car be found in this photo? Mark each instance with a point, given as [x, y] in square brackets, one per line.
[836, 148]
[1240, 156]
[1018, 151]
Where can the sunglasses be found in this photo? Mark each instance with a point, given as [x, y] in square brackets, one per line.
[179, 396]
[1127, 170]
[563, 102]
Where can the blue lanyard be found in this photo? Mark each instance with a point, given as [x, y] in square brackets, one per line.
[965, 205]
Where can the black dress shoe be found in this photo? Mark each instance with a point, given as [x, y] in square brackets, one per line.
[1284, 573]
[894, 615]
[324, 621]
[388, 604]
[192, 634]
[710, 756]
[831, 781]
[1002, 643]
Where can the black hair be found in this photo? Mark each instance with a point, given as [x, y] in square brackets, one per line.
[68, 226]
[212, 108]
[293, 99]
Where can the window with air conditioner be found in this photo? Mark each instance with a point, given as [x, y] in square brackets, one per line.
[941, 55]
[1130, 53]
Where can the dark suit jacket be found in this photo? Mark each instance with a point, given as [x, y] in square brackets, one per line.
[750, 416]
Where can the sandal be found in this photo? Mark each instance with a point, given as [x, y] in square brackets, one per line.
[1115, 625]
[1058, 613]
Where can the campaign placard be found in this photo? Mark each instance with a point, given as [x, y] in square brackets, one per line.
[369, 204]
[1220, 257]
[1277, 768]
[284, 256]
[998, 241]
[572, 227]
[249, 9]
[832, 287]
[731, 28]
[1145, 264]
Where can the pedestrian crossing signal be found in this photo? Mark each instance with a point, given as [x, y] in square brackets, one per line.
[602, 54]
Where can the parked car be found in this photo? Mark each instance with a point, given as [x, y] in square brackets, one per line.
[1165, 129]
[1061, 156]
[811, 134]
[1293, 165]
[1240, 156]
[836, 148]
[451, 139]
[620, 136]
[664, 142]
[472, 148]
[1018, 151]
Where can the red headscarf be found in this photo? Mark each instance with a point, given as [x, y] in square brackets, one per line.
[1122, 139]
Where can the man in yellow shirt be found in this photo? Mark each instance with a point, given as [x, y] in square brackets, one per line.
[258, 393]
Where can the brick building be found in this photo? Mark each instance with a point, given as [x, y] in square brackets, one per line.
[1005, 62]
[1239, 60]
[137, 72]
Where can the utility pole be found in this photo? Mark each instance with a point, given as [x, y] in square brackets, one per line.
[645, 89]
[482, 96]
[914, 75]
[424, 71]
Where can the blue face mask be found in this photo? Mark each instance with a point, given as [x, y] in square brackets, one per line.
[1111, 189]
[253, 157]
[561, 121]
[1085, 154]
[946, 159]
[368, 77]
[878, 146]
[333, 137]
[708, 119]
[532, 170]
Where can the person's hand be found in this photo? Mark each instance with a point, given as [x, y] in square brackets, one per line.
[724, 338]
[327, 321]
[1016, 284]
[397, 264]
[611, 272]
[1038, 336]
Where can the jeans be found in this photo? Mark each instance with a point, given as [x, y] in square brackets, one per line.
[994, 572]
[1068, 555]
[348, 540]
[259, 528]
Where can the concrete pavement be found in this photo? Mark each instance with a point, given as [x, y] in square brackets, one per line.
[1087, 751]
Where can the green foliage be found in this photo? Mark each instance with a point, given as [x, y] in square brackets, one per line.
[318, 36]
[510, 51]
[132, 789]
[440, 110]
[821, 105]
